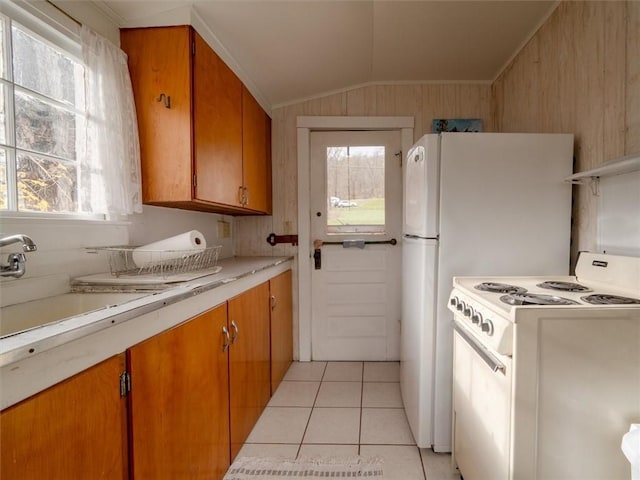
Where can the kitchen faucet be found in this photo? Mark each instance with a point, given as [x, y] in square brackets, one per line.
[16, 262]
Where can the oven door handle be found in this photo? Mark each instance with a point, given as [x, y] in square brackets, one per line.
[484, 354]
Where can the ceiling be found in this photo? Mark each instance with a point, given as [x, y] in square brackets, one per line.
[297, 49]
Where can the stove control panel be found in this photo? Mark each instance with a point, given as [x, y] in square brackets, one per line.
[490, 328]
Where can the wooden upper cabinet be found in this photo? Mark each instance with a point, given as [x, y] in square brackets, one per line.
[75, 429]
[198, 152]
[256, 147]
[217, 128]
[160, 63]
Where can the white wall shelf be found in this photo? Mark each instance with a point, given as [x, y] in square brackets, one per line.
[619, 166]
[626, 164]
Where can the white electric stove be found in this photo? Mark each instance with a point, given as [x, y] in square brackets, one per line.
[547, 371]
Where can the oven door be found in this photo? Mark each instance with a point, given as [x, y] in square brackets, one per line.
[481, 408]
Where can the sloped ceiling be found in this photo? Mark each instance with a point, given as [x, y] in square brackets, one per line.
[291, 50]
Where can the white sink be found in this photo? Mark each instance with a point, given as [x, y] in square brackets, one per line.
[24, 316]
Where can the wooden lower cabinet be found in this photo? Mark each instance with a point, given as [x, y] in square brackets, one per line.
[194, 403]
[249, 362]
[281, 327]
[179, 401]
[75, 429]
[195, 396]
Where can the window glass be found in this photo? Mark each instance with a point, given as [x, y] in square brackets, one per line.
[3, 114]
[3, 73]
[43, 69]
[44, 128]
[3, 179]
[41, 122]
[355, 189]
[46, 185]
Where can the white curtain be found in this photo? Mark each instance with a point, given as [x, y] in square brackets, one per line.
[111, 162]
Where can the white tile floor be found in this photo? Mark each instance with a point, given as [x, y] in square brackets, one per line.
[343, 409]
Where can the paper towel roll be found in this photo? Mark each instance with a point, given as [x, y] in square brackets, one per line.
[169, 248]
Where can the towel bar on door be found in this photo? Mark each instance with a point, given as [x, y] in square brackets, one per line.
[350, 243]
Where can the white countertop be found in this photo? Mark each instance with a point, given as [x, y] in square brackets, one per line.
[40, 357]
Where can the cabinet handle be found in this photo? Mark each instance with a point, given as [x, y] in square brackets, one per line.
[225, 345]
[246, 196]
[273, 302]
[234, 338]
[241, 195]
[166, 99]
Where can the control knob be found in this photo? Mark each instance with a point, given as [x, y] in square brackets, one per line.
[454, 301]
[467, 311]
[476, 318]
[487, 327]
[460, 306]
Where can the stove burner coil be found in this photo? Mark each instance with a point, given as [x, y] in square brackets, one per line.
[496, 287]
[604, 299]
[535, 299]
[564, 286]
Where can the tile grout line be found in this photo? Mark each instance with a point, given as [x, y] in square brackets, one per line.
[312, 408]
[361, 403]
[424, 470]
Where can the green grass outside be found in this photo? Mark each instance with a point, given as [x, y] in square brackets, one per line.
[370, 211]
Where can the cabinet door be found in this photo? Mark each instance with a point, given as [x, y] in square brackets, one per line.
[160, 62]
[75, 429]
[249, 369]
[256, 146]
[281, 327]
[217, 106]
[179, 404]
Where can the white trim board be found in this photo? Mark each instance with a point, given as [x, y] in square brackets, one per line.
[305, 125]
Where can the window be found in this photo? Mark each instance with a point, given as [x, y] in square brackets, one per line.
[42, 124]
[356, 189]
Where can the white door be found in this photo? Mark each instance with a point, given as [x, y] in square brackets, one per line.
[356, 197]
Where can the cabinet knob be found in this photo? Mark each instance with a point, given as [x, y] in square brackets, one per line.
[273, 302]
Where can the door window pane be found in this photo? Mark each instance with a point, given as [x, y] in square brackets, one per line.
[46, 185]
[355, 189]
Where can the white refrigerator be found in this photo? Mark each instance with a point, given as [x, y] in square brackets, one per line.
[485, 204]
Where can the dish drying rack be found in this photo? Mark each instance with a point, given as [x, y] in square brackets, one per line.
[162, 263]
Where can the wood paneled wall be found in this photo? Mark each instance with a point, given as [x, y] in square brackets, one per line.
[424, 102]
[579, 74]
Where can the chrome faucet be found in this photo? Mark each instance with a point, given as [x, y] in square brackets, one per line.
[16, 262]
